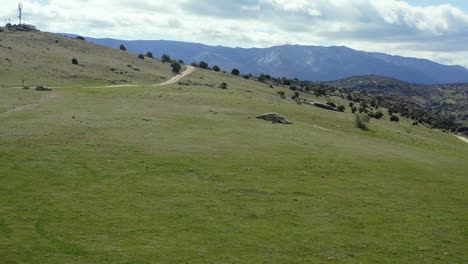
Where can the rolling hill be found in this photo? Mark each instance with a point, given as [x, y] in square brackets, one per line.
[185, 173]
[41, 58]
[312, 63]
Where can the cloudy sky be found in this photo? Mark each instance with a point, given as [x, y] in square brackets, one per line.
[432, 29]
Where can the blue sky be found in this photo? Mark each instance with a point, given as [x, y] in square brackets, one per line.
[432, 29]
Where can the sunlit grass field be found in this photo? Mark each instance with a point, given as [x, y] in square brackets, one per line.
[187, 174]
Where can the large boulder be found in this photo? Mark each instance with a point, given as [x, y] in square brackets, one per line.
[275, 118]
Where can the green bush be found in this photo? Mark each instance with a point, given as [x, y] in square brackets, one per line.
[122, 47]
[75, 61]
[203, 65]
[216, 68]
[149, 54]
[394, 118]
[176, 67]
[165, 58]
[235, 72]
[80, 38]
[341, 108]
[141, 56]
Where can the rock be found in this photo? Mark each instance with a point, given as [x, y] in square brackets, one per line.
[275, 118]
[323, 106]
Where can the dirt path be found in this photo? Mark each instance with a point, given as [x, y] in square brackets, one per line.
[175, 79]
[44, 98]
[463, 139]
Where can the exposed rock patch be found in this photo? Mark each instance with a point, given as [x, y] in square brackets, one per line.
[275, 118]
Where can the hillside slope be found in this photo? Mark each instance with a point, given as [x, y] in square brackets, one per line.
[42, 58]
[313, 63]
[185, 173]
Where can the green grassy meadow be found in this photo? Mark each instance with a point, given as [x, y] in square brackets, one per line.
[186, 174]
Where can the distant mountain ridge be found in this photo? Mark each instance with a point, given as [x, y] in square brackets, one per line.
[312, 63]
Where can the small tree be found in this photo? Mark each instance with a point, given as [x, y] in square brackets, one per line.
[354, 109]
[235, 72]
[216, 68]
[149, 54]
[165, 58]
[203, 65]
[176, 67]
[341, 108]
[194, 64]
[122, 47]
[80, 38]
[141, 56]
[394, 118]
[181, 62]
[378, 115]
[75, 61]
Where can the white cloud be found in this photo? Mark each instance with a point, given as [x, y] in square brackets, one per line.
[392, 26]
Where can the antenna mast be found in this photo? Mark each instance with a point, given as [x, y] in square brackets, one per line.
[20, 9]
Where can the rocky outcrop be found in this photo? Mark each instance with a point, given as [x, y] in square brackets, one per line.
[275, 118]
[22, 27]
[323, 106]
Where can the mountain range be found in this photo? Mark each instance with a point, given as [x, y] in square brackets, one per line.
[314, 63]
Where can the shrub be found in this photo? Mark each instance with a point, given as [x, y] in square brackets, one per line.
[354, 109]
[74, 61]
[394, 118]
[378, 115]
[361, 124]
[176, 67]
[235, 72]
[181, 62]
[246, 77]
[194, 64]
[122, 47]
[223, 86]
[80, 38]
[415, 123]
[203, 65]
[141, 56]
[165, 58]
[331, 104]
[149, 54]
[351, 104]
[341, 108]
[216, 68]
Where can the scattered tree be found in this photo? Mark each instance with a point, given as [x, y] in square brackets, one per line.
[176, 67]
[122, 47]
[394, 118]
[80, 38]
[165, 58]
[74, 61]
[354, 109]
[181, 62]
[194, 64]
[149, 54]
[203, 65]
[141, 56]
[216, 68]
[341, 108]
[235, 72]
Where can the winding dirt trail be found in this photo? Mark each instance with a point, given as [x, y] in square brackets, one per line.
[50, 95]
[173, 80]
[464, 139]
